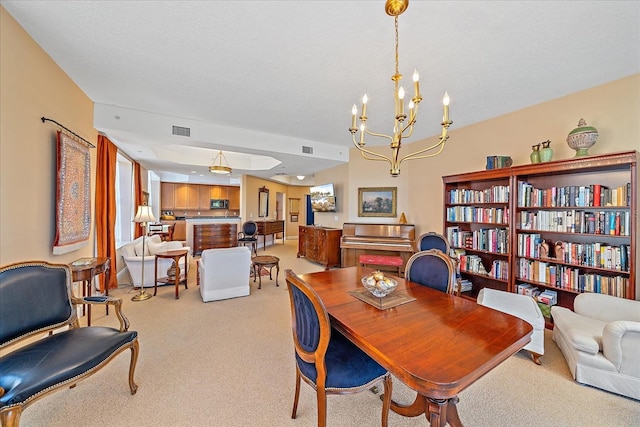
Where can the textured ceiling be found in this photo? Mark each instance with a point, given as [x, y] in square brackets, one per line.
[269, 77]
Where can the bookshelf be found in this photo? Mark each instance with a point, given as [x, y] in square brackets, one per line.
[567, 226]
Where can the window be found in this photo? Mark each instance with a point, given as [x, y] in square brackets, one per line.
[124, 200]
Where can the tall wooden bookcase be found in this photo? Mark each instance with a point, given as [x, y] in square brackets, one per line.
[568, 226]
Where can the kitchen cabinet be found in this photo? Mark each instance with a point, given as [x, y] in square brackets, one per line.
[167, 196]
[186, 196]
[233, 194]
[204, 197]
[181, 196]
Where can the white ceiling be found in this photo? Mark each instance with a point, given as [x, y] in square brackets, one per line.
[269, 77]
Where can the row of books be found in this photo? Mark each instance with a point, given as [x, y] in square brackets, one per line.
[573, 195]
[594, 254]
[613, 223]
[547, 296]
[473, 264]
[477, 214]
[495, 194]
[494, 240]
[465, 285]
[571, 278]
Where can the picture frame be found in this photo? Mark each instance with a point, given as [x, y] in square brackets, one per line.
[377, 201]
[294, 218]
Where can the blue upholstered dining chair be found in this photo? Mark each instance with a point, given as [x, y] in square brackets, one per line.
[432, 240]
[432, 268]
[325, 359]
[249, 235]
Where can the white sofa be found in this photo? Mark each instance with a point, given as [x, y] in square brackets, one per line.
[523, 307]
[132, 256]
[224, 273]
[600, 340]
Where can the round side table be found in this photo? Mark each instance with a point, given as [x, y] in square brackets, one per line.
[266, 261]
[175, 255]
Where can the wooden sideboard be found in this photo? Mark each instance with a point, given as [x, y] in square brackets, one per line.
[266, 228]
[211, 236]
[320, 244]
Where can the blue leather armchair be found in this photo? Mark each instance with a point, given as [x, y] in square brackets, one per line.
[35, 298]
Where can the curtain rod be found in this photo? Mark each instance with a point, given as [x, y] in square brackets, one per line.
[44, 119]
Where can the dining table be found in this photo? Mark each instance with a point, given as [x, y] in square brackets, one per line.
[436, 343]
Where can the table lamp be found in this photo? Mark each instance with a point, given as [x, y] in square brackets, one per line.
[144, 215]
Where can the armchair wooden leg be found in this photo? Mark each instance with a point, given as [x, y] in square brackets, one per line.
[536, 358]
[11, 417]
[135, 348]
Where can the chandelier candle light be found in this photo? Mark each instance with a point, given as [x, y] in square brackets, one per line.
[400, 129]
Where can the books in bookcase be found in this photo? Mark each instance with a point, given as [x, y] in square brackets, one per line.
[593, 195]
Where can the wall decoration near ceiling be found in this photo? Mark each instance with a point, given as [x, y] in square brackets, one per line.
[73, 195]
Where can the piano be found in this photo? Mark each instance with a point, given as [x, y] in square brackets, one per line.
[376, 239]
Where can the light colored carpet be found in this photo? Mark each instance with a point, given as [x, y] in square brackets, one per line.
[230, 363]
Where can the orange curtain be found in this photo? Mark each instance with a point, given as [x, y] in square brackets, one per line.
[137, 190]
[106, 207]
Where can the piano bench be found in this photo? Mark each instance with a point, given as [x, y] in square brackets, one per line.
[386, 260]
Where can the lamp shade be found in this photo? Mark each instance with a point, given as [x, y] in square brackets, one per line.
[144, 214]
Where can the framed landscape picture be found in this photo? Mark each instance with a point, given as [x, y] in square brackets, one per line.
[377, 201]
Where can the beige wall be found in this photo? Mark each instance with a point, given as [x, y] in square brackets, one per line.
[612, 108]
[249, 195]
[32, 86]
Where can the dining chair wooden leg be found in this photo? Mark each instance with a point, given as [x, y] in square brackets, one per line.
[297, 394]
[322, 406]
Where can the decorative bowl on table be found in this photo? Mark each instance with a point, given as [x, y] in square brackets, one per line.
[379, 285]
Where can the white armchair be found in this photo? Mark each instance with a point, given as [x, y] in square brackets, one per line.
[224, 273]
[132, 257]
[600, 340]
[523, 307]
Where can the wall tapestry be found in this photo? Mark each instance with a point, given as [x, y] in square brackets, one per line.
[73, 195]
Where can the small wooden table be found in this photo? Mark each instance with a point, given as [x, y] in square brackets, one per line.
[266, 261]
[175, 255]
[84, 270]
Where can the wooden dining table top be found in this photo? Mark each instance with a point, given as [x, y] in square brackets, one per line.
[437, 344]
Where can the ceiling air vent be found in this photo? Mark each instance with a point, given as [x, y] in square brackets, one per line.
[307, 150]
[180, 131]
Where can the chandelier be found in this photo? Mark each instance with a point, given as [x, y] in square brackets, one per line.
[400, 129]
[220, 168]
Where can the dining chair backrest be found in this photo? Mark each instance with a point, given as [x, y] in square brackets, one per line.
[249, 228]
[432, 268]
[328, 361]
[432, 240]
[310, 323]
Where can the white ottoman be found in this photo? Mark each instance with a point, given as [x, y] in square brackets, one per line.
[523, 307]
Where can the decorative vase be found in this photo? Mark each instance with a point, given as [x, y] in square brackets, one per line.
[535, 154]
[171, 271]
[547, 152]
[582, 138]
